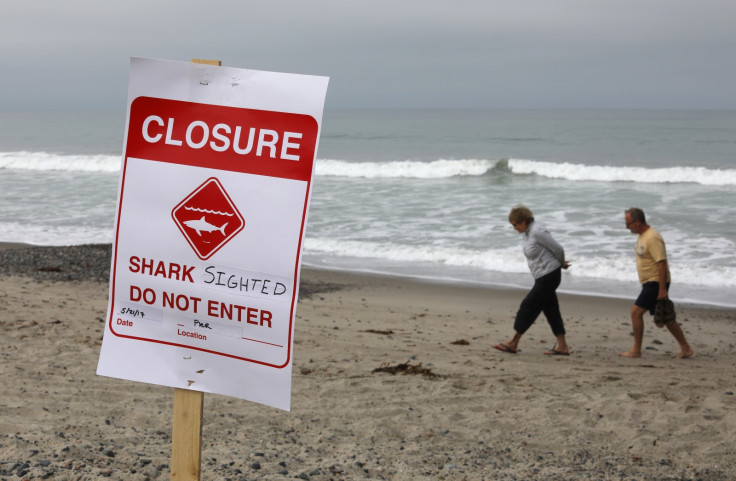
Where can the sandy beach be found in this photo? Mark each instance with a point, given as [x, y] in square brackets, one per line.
[394, 379]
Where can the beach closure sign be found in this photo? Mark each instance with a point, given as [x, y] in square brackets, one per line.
[212, 209]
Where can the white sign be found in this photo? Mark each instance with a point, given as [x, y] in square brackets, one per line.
[212, 209]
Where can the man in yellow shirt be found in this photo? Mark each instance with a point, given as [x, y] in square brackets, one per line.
[654, 275]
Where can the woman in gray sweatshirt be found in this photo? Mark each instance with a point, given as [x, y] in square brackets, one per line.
[546, 259]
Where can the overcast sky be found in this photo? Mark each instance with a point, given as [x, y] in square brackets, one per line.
[527, 54]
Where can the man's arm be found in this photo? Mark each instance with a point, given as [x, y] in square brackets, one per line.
[662, 274]
[546, 240]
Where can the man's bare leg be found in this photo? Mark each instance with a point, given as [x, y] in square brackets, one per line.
[685, 349]
[637, 324]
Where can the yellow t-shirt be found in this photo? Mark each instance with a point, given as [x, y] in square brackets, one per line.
[649, 251]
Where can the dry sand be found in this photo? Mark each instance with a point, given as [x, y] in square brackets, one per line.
[455, 409]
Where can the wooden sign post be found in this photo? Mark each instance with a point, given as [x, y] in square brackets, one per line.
[208, 62]
[186, 434]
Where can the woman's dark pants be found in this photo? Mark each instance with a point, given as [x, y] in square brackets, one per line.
[542, 298]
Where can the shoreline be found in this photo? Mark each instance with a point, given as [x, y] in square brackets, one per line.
[508, 287]
[78, 249]
[392, 379]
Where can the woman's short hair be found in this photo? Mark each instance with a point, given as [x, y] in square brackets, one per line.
[519, 214]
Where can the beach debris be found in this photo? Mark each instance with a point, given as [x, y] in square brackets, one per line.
[49, 269]
[461, 342]
[386, 332]
[406, 368]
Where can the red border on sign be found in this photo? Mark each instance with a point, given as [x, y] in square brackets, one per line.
[187, 113]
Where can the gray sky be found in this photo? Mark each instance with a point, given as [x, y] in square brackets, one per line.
[530, 54]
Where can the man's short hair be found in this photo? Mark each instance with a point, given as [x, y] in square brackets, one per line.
[635, 214]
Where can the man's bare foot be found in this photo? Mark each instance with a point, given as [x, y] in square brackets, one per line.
[631, 353]
[685, 354]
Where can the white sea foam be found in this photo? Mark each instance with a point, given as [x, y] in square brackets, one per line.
[437, 169]
[50, 161]
[602, 173]
[445, 168]
[503, 260]
[512, 261]
[53, 235]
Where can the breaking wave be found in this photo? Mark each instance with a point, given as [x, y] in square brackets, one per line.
[478, 167]
[408, 168]
[51, 161]
[602, 173]
[413, 169]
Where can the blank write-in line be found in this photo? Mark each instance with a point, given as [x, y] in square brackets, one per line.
[262, 342]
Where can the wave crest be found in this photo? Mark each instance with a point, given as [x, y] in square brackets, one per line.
[437, 169]
[412, 169]
[567, 171]
[49, 161]
[603, 173]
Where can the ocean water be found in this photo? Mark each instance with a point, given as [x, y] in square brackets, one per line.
[426, 193]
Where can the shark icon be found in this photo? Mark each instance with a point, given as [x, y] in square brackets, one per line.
[210, 212]
[201, 225]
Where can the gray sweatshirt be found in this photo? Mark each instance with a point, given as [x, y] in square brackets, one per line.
[543, 253]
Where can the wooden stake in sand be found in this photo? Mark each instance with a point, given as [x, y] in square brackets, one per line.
[186, 442]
